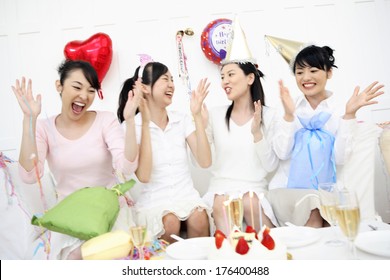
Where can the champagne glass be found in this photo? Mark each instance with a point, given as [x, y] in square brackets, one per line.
[328, 198]
[236, 213]
[348, 216]
[138, 236]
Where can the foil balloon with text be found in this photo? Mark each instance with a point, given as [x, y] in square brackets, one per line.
[97, 50]
[214, 39]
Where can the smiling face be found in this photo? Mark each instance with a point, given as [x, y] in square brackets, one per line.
[312, 81]
[162, 92]
[234, 81]
[77, 95]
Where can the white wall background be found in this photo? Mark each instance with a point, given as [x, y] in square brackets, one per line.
[33, 34]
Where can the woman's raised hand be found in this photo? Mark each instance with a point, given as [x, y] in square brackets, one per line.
[31, 107]
[133, 100]
[144, 109]
[287, 101]
[256, 123]
[359, 100]
[198, 96]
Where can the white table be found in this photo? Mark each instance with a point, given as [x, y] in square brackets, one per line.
[318, 250]
[321, 251]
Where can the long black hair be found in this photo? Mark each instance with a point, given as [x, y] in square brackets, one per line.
[151, 73]
[257, 92]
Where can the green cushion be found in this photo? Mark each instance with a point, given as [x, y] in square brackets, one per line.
[86, 213]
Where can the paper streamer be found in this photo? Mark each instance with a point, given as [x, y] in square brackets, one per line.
[182, 60]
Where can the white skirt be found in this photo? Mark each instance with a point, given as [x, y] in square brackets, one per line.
[294, 205]
[182, 208]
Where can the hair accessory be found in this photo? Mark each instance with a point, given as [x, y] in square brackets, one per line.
[237, 47]
[144, 59]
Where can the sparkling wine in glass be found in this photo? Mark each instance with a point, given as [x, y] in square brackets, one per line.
[348, 216]
[328, 198]
[138, 236]
[236, 213]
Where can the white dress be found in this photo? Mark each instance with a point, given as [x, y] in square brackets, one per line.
[239, 164]
[170, 189]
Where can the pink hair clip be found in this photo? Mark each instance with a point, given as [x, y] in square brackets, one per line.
[144, 59]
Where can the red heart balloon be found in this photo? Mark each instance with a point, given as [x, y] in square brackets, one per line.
[97, 50]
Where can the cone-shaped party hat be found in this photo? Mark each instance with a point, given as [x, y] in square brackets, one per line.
[237, 50]
[288, 49]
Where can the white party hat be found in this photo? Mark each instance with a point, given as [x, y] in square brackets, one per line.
[237, 50]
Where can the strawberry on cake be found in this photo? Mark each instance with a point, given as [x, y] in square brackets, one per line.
[247, 245]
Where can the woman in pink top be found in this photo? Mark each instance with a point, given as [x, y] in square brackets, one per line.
[83, 148]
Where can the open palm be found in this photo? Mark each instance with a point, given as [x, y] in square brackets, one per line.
[30, 106]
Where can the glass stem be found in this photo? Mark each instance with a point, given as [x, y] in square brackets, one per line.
[353, 249]
[141, 252]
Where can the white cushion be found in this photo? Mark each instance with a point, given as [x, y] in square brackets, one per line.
[358, 172]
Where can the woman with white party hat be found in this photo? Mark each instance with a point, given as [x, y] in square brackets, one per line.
[240, 134]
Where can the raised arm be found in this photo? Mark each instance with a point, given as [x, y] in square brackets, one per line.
[261, 141]
[344, 138]
[359, 100]
[283, 141]
[145, 162]
[31, 108]
[131, 146]
[198, 141]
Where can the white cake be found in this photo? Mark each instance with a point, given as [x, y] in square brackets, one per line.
[252, 250]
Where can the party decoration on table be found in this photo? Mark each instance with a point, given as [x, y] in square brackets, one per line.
[237, 50]
[151, 250]
[312, 159]
[182, 58]
[214, 39]
[97, 50]
[118, 245]
[288, 49]
[86, 213]
[143, 59]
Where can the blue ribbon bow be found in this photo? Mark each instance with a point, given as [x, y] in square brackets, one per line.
[312, 160]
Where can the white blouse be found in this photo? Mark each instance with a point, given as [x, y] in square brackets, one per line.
[239, 164]
[171, 178]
